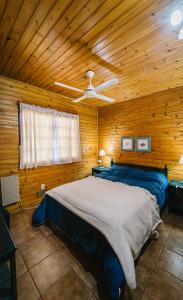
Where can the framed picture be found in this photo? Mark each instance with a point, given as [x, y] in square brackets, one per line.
[127, 143]
[143, 144]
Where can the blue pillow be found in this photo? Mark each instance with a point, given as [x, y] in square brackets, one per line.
[158, 177]
[120, 173]
[110, 170]
[148, 176]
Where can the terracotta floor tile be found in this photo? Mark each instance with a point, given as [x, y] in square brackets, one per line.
[30, 211]
[20, 266]
[49, 271]
[19, 225]
[45, 230]
[147, 297]
[55, 241]
[66, 272]
[18, 216]
[83, 265]
[178, 221]
[74, 254]
[147, 262]
[26, 288]
[164, 230]
[163, 286]
[70, 286]
[177, 230]
[93, 297]
[133, 294]
[175, 243]
[172, 263]
[87, 277]
[34, 251]
[168, 218]
[95, 294]
[29, 234]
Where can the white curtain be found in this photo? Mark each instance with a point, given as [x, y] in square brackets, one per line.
[48, 137]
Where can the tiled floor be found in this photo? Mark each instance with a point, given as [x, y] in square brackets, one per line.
[50, 268]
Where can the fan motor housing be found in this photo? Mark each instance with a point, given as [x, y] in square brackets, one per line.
[90, 93]
[90, 73]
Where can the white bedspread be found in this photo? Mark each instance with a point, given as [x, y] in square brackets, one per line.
[126, 215]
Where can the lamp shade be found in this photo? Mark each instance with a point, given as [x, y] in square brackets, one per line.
[101, 152]
[181, 160]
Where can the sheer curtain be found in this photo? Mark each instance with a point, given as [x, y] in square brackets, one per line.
[48, 137]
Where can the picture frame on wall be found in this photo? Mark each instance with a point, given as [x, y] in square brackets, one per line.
[127, 143]
[143, 144]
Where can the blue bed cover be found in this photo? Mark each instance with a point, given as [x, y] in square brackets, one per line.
[155, 182]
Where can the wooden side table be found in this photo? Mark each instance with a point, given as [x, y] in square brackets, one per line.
[7, 253]
[98, 170]
[175, 196]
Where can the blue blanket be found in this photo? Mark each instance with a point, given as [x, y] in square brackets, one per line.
[155, 182]
[86, 236]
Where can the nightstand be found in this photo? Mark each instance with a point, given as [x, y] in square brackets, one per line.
[98, 170]
[175, 196]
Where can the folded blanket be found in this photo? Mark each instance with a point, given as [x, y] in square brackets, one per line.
[125, 215]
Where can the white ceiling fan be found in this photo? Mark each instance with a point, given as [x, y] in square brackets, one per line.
[91, 92]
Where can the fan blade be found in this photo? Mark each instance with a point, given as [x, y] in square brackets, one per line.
[79, 99]
[107, 84]
[102, 97]
[68, 87]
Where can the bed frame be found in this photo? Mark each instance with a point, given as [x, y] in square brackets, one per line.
[49, 211]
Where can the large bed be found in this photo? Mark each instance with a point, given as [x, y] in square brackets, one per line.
[109, 216]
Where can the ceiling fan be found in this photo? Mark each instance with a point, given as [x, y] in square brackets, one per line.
[91, 92]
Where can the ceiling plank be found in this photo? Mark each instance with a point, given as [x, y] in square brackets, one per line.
[48, 23]
[96, 13]
[58, 40]
[98, 59]
[8, 18]
[23, 17]
[3, 4]
[40, 13]
[58, 35]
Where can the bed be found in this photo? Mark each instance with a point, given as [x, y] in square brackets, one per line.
[109, 234]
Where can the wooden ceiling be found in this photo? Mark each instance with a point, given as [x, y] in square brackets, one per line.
[42, 41]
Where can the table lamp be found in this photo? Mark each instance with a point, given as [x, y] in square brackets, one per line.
[181, 160]
[102, 154]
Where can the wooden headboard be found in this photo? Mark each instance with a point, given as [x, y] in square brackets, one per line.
[146, 168]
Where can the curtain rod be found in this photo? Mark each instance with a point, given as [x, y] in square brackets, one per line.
[30, 103]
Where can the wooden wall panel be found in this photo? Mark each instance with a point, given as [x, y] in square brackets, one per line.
[159, 115]
[12, 91]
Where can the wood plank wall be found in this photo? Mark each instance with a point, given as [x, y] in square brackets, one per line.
[12, 91]
[159, 115]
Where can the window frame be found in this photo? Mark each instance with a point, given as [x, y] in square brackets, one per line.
[19, 103]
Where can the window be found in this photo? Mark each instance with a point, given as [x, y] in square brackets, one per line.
[47, 137]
